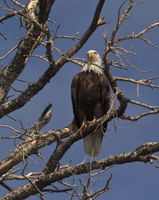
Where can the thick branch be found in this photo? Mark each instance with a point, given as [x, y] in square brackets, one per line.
[31, 146]
[141, 154]
[25, 49]
[34, 143]
[12, 71]
[33, 89]
[44, 10]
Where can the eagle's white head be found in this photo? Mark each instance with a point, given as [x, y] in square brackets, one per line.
[94, 62]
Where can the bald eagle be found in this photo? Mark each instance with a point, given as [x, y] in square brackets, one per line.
[91, 100]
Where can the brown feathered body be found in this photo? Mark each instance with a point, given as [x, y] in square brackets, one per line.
[91, 100]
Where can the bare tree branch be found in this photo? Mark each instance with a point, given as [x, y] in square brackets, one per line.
[141, 154]
[33, 17]
[144, 82]
[25, 48]
[33, 89]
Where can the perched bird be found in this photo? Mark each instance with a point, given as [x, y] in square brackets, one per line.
[91, 100]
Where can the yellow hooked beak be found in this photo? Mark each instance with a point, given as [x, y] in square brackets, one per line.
[91, 55]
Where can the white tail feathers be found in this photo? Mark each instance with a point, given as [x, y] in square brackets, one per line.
[93, 143]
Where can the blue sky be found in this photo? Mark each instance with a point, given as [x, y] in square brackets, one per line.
[135, 181]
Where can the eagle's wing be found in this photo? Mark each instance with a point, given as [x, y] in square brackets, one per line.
[93, 142]
[105, 97]
[74, 96]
